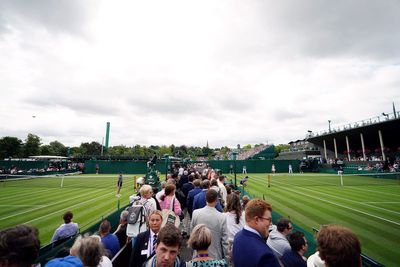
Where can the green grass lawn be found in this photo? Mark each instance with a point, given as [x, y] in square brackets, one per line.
[369, 206]
[41, 202]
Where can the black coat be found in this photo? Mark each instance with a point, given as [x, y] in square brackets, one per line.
[141, 244]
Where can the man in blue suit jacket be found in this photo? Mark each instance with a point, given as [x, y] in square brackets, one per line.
[249, 246]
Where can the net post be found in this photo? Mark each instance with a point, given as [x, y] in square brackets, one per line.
[341, 179]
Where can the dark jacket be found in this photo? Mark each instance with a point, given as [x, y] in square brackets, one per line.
[141, 244]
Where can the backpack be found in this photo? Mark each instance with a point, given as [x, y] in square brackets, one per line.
[136, 220]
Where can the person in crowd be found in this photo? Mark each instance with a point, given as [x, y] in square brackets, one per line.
[249, 247]
[277, 239]
[295, 256]
[110, 241]
[147, 200]
[234, 216]
[145, 243]
[92, 253]
[186, 187]
[121, 229]
[67, 229]
[192, 193]
[162, 191]
[338, 246]
[19, 246]
[221, 184]
[169, 200]
[199, 200]
[216, 222]
[168, 244]
[200, 240]
[184, 178]
[245, 200]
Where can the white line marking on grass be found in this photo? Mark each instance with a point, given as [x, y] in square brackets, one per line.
[358, 202]
[384, 202]
[376, 191]
[76, 205]
[343, 206]
[12, 205]
[55, 203]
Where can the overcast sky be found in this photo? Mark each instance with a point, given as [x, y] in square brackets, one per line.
[184, 72]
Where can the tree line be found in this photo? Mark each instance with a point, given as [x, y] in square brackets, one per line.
[13, 147]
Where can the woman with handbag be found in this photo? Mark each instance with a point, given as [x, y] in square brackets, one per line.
[170, 206]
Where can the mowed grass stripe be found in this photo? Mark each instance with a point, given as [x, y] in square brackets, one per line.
[346, 207]
[320, 215]
[54, 204]
[379, 239]
[350, 199]
[89, 199]
[88, 212]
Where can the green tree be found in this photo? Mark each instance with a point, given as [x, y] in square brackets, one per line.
[45, 150]
[120, 150]
[247, 147]
[139, 151]
[57, 149]
[10, 147]
[31, 146]
[93, 148]
[164, 150]
[281, 147]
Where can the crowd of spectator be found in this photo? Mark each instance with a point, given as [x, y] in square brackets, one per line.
[223, 229]
[52, 168]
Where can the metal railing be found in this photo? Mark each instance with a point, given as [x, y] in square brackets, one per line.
[358, 124]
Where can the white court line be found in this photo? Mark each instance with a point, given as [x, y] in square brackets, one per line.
[375, 191]
[55, 203]
[358, 202]
[11, 205]
[76, 205]
[384, 202]
[343, 206]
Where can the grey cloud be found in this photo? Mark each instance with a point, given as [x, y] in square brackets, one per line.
[342, 28]
[55, 16]
[76, 103]
[283, 115]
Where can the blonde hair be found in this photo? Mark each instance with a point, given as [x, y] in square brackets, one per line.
[145, 189]
[200, 237]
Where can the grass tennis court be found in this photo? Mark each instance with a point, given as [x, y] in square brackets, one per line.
[369, 206]
[41, 202]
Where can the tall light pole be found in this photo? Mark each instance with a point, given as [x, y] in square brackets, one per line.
[329, 123]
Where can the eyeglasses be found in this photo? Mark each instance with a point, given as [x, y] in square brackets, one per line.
[269, 219]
